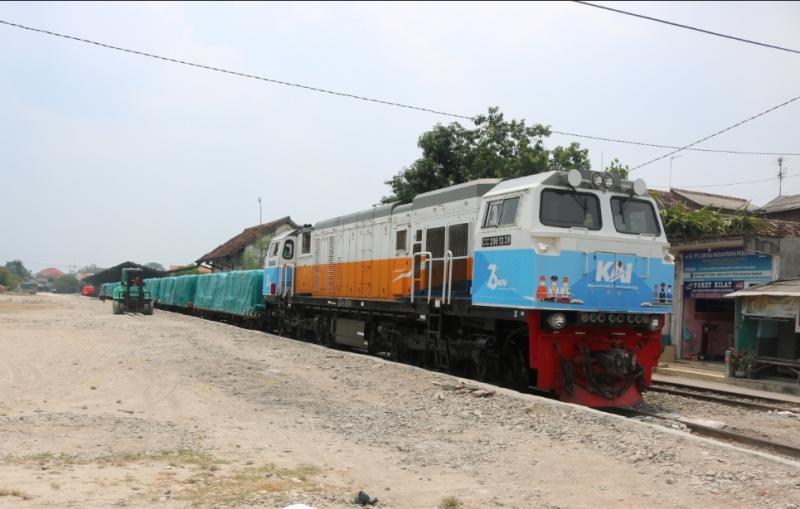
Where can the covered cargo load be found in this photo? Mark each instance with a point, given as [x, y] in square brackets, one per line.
[151, 285]
[236, 293]
[180, 291]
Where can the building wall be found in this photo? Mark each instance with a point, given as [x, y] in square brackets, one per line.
[789, 258]
[786, 215]
[720, 331]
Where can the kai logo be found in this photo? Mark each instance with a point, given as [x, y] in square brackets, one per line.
[495, 281]
[610, 272]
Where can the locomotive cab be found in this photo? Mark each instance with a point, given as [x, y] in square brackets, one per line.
[586, 255]
[279, 265]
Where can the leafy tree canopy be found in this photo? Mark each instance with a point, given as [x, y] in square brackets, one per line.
[681, 222]
[617, 167]
[496, 147]
[66, 284]
[254, 256]
[8, 279]
[17, 267]
[155, 266]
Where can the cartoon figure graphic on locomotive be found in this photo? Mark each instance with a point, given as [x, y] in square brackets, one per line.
[559, 281]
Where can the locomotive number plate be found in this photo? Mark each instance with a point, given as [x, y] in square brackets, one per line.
[498, 240]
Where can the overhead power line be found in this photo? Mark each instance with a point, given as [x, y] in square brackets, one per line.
[696, 149]
[737, 124]
[740, 183]
[365, 98]
[687, 27]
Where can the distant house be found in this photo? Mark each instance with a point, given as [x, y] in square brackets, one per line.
[786, 208]
[48, 275]
[231, 254]
[696, 200]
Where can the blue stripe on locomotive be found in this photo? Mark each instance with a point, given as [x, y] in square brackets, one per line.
[595, 281]
[274, 275]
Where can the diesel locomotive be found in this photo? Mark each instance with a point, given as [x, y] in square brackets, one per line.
[558, 282]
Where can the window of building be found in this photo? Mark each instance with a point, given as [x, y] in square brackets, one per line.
[502, 212]
[305, 248]
[288, 249]
[567, 209]
[634, 216]
[400, 240]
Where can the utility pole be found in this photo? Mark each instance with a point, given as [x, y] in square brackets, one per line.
[670, 169]
[781, 174]
[259, 210]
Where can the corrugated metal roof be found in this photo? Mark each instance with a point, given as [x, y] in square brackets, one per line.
[780, 288]
[782, 203]
[715, 200]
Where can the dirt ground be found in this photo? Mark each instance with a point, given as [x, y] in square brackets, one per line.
[98, 410]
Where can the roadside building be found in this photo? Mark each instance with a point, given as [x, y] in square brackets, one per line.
[786, 208]
[703, 324]
[233, 254]
[768, 328]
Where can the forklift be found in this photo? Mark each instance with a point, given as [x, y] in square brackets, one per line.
[130, 295]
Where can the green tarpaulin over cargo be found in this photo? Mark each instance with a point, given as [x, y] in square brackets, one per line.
[107, 289]
[179, 291]
[237, 293]
[151, 285]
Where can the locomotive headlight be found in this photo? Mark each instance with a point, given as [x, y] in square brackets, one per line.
[584, 317]
[612, 318]
[597, 179]
[593, 317]
[557, 321]
[654, 323]
[601, 318]
[608, 181]
[631, 319]
[638, 319]
[620, 318]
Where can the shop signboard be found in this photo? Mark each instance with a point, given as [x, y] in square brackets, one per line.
[727, 265]
[710, 289]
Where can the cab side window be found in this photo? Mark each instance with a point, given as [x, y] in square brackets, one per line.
[274, 250]
[400, 240]
[502, 212]
[305, 248]
[288, 249]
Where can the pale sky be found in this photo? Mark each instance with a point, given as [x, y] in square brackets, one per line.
[107, 157]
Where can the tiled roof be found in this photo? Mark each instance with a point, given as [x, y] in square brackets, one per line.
[782, 203]
[244, 239]
[716, 201]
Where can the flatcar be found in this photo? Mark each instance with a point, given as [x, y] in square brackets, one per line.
[558, 281]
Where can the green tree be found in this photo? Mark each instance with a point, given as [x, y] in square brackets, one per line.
[18, 268]
[453, 154]
[155, 266]
[8, 279]
[681, 222]
[66, 284]
[254, 256]
[617, 167]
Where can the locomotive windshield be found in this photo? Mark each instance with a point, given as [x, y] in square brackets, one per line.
[634, 216]
[567, 209]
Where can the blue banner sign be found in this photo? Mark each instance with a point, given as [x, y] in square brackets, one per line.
[727, 264]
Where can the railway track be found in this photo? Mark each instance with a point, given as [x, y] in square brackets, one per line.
[715, 433]
[722, 397]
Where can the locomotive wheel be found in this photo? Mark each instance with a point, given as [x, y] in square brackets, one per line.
[515, 366]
